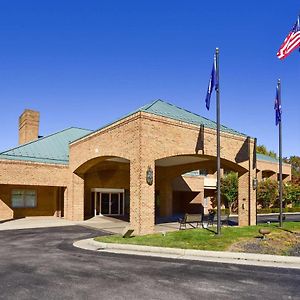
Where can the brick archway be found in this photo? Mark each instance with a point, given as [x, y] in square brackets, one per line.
[169, 168]
[105, 173]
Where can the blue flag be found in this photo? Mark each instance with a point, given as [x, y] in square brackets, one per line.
[277, 107]
[213, 84]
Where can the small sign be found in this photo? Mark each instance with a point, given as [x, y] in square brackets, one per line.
[127, 233]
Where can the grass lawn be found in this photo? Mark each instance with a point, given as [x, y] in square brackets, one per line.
[207, 240]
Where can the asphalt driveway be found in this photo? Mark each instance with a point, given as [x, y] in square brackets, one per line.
[43, 264]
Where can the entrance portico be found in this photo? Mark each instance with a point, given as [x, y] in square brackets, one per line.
[168, 141]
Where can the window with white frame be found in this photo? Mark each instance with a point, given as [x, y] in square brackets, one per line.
[23, 198]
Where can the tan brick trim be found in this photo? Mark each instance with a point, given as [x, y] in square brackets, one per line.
[29, 163]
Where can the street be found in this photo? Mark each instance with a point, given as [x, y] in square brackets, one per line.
[272, 218]
[43, 264]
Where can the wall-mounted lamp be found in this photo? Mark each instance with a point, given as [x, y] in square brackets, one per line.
[149, 176]
[243, 204]
[254, 183]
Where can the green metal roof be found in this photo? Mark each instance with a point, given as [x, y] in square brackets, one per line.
[269, 158]
[266, 158]
[53, 148]
[168, 110]
[162, 108]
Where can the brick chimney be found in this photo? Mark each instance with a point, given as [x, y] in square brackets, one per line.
[29, 126]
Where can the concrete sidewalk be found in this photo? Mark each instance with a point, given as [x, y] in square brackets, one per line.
[188, 254]
[104, 223]
[107, 224]
[114, 225]
[34, 222]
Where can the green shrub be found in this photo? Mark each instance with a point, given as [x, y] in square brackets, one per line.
[276, 210]
[267, 193]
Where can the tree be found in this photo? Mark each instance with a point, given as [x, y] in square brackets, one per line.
[272, 154]
[267, 193]
[291, 193]
[295, 162]
[262, 149]
[229, 191]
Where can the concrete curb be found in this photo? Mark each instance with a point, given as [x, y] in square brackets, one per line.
[276, 214]
[201, 255]
[269, 214]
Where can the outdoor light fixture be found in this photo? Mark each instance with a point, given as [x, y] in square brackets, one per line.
[254, 183]
[149, 176]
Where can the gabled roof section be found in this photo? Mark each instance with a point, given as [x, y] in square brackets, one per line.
[53, 148]
[168, 110]
[165, 109]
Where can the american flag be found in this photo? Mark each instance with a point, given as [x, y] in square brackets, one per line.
[291, 42]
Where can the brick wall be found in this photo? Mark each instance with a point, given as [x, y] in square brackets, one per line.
[271, 170]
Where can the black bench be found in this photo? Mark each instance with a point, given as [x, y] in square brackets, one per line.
[225, 219]
[194, 220]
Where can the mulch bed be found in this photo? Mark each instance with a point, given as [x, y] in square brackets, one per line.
[283, 243]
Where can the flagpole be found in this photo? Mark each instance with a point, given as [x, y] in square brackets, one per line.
[280, 159]
[218, 147]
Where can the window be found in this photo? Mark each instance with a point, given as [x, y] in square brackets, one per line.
[192, 173]
[196, 173]
[23, 198]
[203, 172]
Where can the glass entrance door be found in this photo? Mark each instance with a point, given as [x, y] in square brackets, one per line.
[114, 204]
[105, 203]
[108, 202]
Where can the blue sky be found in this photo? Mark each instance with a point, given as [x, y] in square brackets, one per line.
[86, 63]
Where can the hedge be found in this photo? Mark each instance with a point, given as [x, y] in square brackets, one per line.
[276, 210]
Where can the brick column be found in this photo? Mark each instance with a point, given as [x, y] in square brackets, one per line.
[142, 199]
[75, 204]
[56, 199]
[243, 199]
[66, 203]
[166, 199]
[246, 193]
[60, 201]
